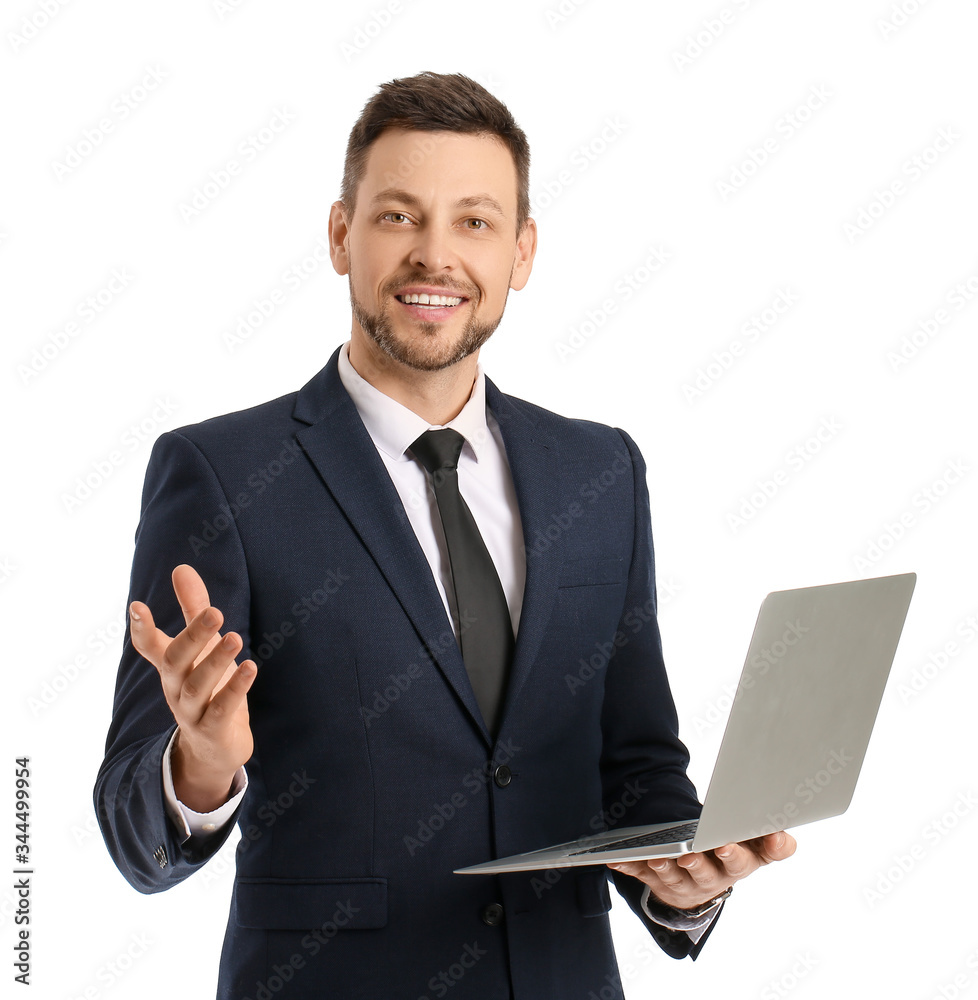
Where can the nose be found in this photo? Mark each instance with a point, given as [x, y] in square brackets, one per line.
[432, 250]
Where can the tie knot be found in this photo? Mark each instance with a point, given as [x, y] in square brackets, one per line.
[439, 450]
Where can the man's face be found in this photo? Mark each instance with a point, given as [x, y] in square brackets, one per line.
[435, 215]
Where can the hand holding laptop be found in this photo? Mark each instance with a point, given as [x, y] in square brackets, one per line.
[693, 879]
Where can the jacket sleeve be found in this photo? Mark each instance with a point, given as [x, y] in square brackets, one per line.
[185, 518]
[643, 761]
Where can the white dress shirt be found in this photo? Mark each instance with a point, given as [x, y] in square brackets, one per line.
[485, 483]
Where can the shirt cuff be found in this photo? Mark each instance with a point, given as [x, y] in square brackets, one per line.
[185, 819]
[669, 917]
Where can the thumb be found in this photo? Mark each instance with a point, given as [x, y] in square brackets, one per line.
[190, 590]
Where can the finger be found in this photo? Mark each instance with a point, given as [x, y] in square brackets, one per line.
[201, 684]
[777, 846]
[700, 868]
[737, 860]
[230, 697]
[638, 869]
[771, 847]
[180, 655]
[228, 674]
[642, 871]
[669, 874]
[190, 590]
[667, 882]
[147, 639]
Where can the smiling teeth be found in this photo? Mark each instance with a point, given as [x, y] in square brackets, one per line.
[430, 300]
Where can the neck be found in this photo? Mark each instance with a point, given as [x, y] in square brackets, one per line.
[436, 396]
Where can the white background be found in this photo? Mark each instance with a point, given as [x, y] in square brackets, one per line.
[895, 435]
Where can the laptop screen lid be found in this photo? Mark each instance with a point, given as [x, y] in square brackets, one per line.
[804, 708]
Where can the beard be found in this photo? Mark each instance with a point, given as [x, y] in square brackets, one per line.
[431, 354]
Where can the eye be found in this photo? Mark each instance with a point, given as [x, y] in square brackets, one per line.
[396, 217]
[482, 223]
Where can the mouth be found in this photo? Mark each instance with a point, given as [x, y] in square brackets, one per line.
[430, 306]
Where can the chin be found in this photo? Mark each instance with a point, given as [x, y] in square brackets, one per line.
[432, 358]
[433, 349]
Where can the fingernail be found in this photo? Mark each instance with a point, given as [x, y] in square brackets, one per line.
[133, 615]
[209, 619]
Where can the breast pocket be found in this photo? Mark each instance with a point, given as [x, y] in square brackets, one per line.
[591, 572]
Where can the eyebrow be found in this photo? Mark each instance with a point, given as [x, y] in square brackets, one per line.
[471, 201]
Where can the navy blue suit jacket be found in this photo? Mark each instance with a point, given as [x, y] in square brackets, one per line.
[374, 775]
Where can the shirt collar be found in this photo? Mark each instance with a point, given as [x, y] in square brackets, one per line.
[393, 427]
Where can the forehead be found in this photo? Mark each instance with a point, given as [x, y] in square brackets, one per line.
[440, 166]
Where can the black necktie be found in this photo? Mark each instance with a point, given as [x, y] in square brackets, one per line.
[485, 627]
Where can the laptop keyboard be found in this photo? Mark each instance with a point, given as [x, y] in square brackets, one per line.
[671, 834]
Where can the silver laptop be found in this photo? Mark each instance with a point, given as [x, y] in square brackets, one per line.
[797, 733]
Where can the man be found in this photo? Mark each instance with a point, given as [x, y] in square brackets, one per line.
[412, 610]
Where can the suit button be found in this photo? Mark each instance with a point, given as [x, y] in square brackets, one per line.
[492, 915]
[502, 776]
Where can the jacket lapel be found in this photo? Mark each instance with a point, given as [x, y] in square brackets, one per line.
[534, 462]
[346, 459]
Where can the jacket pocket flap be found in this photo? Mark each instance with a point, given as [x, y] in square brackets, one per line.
[325, 904]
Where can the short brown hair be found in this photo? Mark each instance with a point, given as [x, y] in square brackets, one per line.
[434, 102]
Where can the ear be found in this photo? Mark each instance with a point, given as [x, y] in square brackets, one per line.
[526, 249]
[339, 234]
